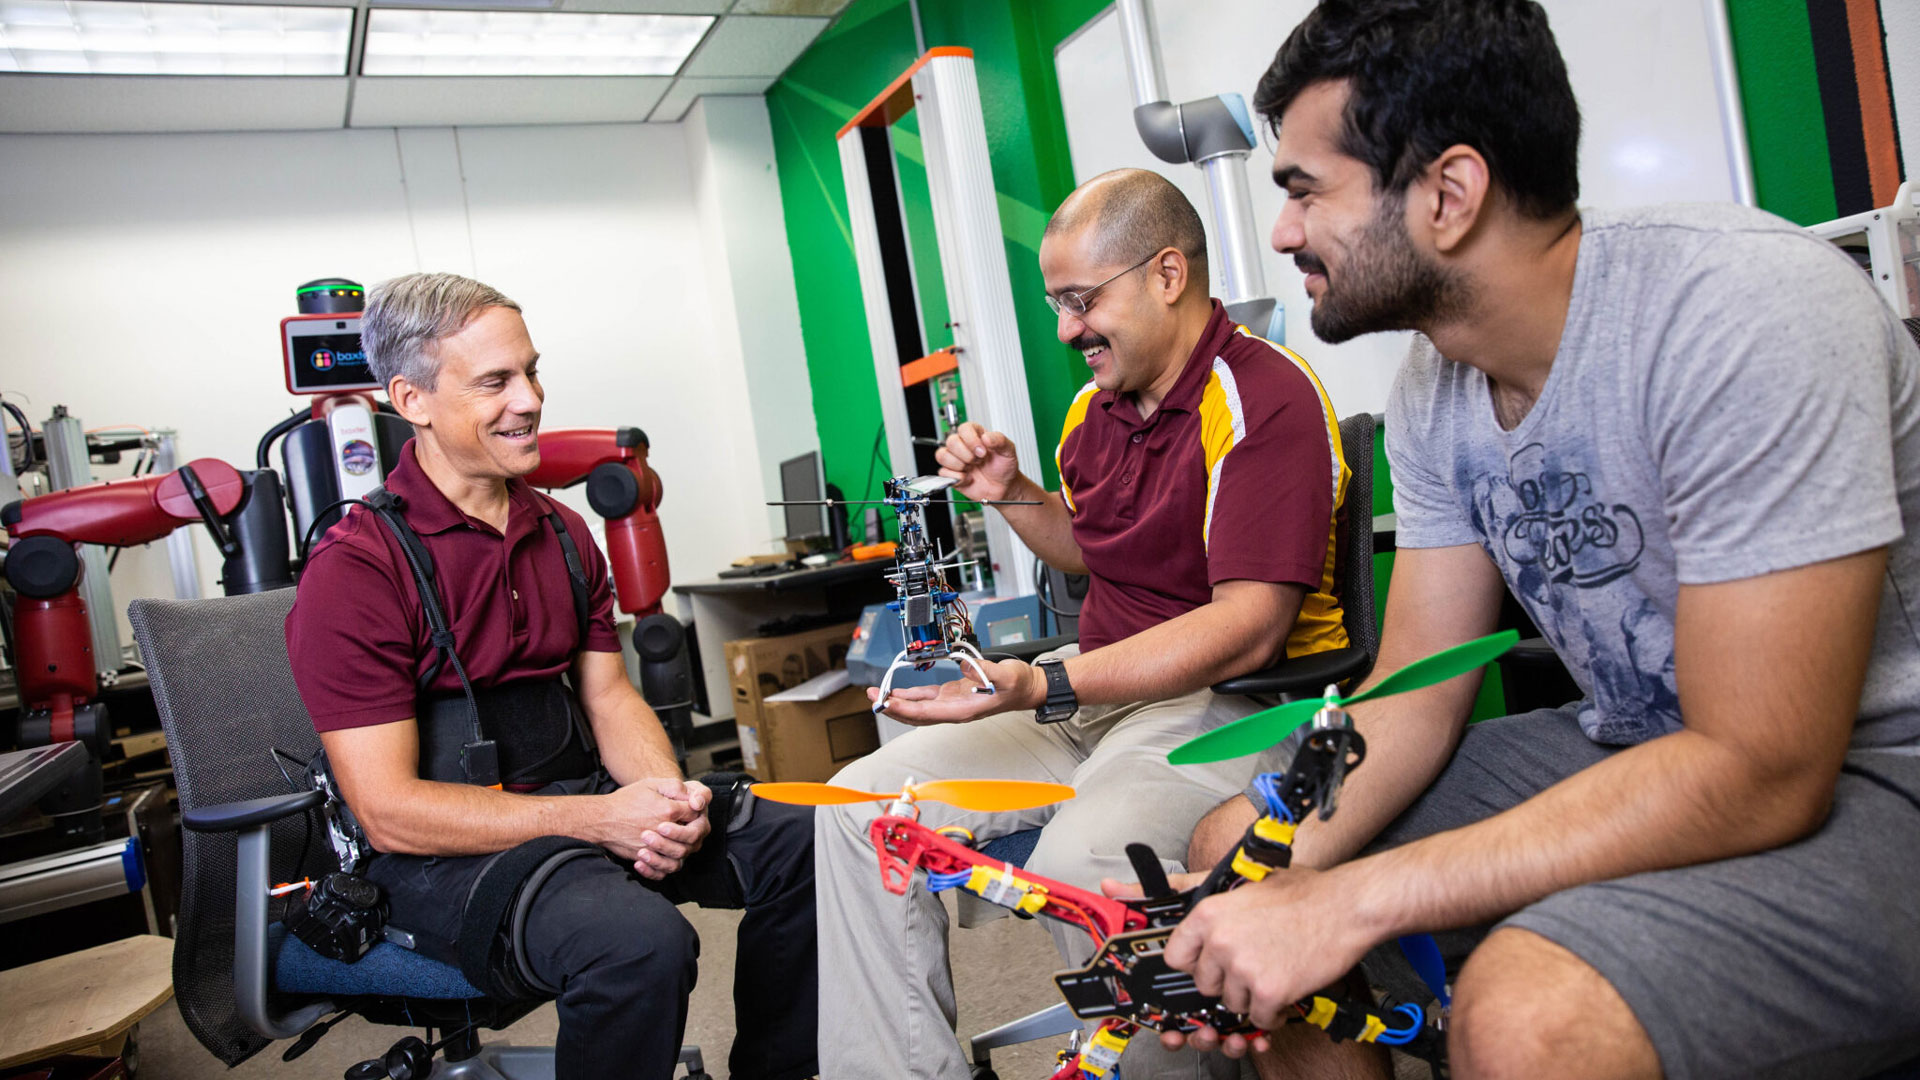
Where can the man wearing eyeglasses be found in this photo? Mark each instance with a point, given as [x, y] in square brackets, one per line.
[1201, 479]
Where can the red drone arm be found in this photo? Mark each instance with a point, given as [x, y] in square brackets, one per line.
[623, 490]
[905, 845]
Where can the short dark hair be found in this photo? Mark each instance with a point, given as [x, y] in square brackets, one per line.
[1423, 75]
[1132, 209]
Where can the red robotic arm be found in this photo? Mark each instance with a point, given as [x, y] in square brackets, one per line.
[56, 666]
[623, 490]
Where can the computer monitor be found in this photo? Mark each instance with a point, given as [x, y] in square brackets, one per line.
[800, 479]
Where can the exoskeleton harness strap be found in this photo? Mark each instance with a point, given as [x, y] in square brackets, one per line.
[499, 901]
[479, 756]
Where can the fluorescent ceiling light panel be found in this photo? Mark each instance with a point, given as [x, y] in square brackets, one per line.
[403, 41]
[112, 37]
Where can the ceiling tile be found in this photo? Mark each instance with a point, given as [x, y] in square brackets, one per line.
[416, 102]
[120, 103]
[789, 7]
[754, 45]
[673, 107]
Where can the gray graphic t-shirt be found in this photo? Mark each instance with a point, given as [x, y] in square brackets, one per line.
[1730, 398]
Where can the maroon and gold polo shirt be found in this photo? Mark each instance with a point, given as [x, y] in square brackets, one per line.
[358, 640]
[1237, 476]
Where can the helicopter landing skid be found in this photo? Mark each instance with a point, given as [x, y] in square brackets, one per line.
[960, 651]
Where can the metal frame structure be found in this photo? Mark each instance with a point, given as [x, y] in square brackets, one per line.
[973, 264]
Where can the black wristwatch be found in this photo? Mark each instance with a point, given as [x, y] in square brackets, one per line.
[1060, 704]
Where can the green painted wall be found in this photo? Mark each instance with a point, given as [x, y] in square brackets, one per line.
[1780, 94]
[866, 49]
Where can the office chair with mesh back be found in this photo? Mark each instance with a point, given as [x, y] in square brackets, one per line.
[227, 702]
[1294, 677]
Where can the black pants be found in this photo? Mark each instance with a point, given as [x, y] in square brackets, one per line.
[624, 957]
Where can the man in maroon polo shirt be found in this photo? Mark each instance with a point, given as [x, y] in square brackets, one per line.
[602, 932]
[1201, 476]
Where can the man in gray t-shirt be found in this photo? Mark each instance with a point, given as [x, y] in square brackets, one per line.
[1729, 399]
[1688, 440]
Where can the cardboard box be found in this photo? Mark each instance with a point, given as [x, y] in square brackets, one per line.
[806, 740]
[760, 667]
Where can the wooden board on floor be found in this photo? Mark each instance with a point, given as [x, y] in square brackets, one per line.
[82, 999]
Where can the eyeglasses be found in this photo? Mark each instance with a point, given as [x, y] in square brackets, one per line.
[1076, 303]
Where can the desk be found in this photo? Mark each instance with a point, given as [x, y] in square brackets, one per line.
[724, 609]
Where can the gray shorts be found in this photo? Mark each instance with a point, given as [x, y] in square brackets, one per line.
[1803, 961]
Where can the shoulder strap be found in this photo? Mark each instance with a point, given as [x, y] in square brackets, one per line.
[389, 508]
[576, 569]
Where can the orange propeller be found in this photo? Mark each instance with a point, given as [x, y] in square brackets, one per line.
[981, 796]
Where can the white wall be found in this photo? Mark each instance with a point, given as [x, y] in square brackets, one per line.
[144, 277]
[1640, 68]
[756, 313]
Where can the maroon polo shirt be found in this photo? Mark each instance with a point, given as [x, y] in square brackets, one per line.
[1237, 475]
[357, 637]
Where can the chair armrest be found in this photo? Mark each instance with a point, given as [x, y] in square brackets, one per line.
[1301, 676]
[234, 816]
[253, 820]
[1030, 650]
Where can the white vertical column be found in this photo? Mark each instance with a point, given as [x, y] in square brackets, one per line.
[873, 290]
[973, 257]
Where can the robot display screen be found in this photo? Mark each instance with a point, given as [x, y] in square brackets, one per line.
[324, 356]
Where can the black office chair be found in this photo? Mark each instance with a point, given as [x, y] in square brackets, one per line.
[227, 701]
[1295, 677]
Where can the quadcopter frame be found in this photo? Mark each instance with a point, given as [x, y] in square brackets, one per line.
[1128, 984]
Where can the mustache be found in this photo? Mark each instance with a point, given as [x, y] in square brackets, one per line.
[1086, 341]
[1309, 264]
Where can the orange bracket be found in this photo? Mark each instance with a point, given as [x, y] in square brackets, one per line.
[939, 362]
[896, 100]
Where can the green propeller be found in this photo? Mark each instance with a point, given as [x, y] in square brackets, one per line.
[1252, 734]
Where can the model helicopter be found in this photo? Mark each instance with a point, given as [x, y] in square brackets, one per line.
[1128, 984]
[933, 619]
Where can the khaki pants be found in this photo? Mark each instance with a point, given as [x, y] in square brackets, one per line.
[887, 1005]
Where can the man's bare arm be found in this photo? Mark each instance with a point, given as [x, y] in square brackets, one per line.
[987, 469]
[1440, 597]
[1769, 671]
[633, 744]
[1047, 529]
[1243, 628]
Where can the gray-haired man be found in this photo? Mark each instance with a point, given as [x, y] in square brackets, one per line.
[602, 931]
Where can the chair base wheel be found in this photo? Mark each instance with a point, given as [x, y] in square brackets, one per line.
[985, 1072]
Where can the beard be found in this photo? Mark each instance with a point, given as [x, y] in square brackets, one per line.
[1385, 283]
